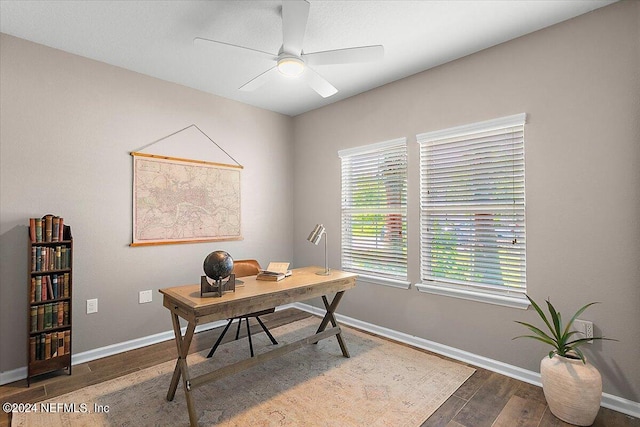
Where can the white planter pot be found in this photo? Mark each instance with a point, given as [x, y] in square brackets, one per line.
[573, 390]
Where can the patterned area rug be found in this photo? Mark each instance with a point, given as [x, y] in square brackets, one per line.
[382, 384]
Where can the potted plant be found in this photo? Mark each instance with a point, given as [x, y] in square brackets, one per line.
[571, 385]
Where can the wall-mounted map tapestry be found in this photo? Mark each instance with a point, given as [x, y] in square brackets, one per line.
[184, 201]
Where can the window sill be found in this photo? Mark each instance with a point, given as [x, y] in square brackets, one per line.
[401, 284]
[513, 301]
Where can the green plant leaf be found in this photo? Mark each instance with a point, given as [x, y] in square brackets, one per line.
[571, 333]
[556, 323]
[539, 332]
[582, 341]
[578, 313]
[540, 312]
[544, 340]
[580, 355]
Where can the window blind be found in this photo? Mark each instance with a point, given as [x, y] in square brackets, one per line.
[374, 209]
[472, 201]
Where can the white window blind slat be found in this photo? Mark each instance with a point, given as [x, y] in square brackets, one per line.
[472, 202]
[374, 209]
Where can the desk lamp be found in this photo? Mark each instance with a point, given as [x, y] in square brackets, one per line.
[314, 238]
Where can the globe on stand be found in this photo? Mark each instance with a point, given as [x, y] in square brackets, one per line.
[217, 266]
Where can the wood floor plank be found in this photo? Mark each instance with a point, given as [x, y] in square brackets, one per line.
[80, 381]
[23, 394]
[5, 420]
[520, 412]
[473, 383]
[550, 420]
[487, 403]
[530, 391]
[445, 413]
[607, 417]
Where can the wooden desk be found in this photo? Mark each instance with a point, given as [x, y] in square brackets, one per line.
[254, 295]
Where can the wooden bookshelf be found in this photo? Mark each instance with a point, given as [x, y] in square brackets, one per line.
[50, 285]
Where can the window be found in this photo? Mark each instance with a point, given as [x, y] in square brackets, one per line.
[374, 212]
[472, 212]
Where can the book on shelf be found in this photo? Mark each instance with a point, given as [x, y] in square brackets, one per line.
[47, 346]
[67, 341]
[32, 348]
[60, 313]
[61, 343]
[41, 347]
[47, 316]
[66, 285]
[40, 314]
[275, 272]
[65, 313]
[50, 292]
[49, 228]
[34, 318]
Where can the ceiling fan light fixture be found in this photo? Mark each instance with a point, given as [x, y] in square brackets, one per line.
[291, 66]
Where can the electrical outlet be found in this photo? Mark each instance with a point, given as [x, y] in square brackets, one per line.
[585, 329]
[145, 297]
[92, 306]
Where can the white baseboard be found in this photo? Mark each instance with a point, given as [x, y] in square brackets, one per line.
[609, 401]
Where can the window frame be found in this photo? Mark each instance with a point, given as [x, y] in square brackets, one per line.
[465, 289]
[397, 150]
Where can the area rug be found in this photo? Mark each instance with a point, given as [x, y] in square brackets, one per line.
[382, 384]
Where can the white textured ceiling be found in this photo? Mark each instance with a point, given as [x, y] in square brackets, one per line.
[156, 38]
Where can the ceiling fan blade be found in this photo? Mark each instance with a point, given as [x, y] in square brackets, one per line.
[206, 42]
[258, 81]
[345, 56]
[294, 24]
[318, 83]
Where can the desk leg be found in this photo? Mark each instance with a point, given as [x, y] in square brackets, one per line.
[329, 317]
[182, 369]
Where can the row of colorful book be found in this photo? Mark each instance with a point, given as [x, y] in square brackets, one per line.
[46, 346]
[49, 228]
[50, 286]
[48, 258]
[51, 315]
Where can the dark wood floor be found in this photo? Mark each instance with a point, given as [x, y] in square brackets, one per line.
[485, 399]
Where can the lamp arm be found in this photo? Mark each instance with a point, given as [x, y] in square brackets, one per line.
[326, 255]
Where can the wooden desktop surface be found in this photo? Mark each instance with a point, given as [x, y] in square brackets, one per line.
[254, 295]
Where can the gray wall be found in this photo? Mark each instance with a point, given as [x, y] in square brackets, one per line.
[579, 83]
[67, 127]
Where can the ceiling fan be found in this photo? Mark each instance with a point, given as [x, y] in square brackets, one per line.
[291, 61]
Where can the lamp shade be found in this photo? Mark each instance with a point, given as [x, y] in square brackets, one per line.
[316, 234]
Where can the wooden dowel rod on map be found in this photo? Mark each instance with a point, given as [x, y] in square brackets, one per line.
[202, 162]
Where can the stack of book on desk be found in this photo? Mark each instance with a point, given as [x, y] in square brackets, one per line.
[275, 272]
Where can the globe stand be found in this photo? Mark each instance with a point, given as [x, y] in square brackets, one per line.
[218, 288]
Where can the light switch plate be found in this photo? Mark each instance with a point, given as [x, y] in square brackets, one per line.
[92, 306]
[145, 297]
